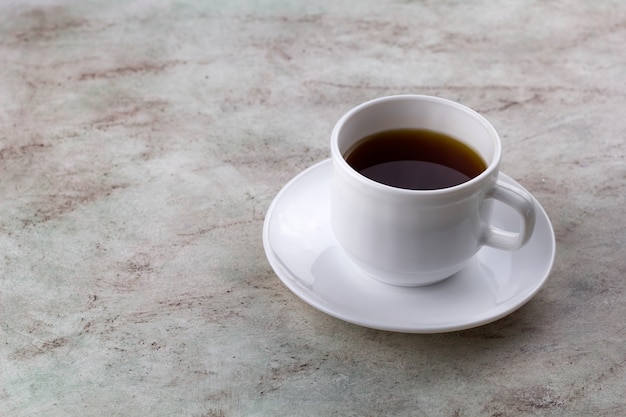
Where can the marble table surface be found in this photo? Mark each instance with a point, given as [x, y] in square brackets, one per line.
[141, 143]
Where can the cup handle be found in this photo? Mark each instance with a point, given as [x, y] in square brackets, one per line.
[523, 203]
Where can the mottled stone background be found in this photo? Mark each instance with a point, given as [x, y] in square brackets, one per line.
[141, 143]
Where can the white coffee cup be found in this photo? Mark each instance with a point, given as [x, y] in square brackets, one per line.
[418, 237]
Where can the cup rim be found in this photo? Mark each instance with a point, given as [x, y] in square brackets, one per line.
[339, 159]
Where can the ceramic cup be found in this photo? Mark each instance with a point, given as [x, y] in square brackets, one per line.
[418, 237]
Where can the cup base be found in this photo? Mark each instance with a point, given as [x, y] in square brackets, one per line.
[403, 279]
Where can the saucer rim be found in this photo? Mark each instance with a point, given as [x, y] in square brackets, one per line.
[292, 283]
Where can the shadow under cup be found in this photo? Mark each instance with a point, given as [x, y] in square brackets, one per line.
[411, 237]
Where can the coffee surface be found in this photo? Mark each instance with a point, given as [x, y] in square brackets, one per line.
[415, 159]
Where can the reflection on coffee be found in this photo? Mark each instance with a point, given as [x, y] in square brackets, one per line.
[415, 159]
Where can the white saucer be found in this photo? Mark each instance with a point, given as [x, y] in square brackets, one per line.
[303, 252]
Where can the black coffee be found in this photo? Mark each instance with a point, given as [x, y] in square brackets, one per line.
[415, 159]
